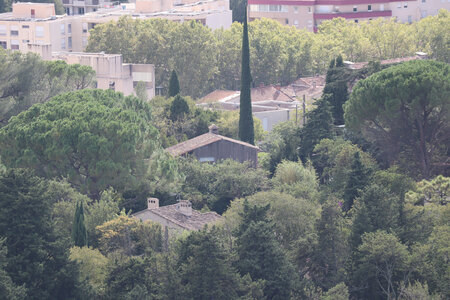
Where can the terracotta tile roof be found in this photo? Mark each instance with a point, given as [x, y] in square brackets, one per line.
[200, 141]
[170, 212]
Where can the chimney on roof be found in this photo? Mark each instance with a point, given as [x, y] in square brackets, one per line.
[213, 129]
[152, 203]
[184, 207]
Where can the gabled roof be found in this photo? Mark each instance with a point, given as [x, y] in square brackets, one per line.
[196, 221]
[203, 140]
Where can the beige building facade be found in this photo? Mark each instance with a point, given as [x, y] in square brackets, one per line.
[309, 14]
[36, 23]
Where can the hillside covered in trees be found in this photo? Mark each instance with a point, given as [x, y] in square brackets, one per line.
[360, 212]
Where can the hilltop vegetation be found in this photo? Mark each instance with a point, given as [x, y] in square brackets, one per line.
[329, 213]
[206, 60]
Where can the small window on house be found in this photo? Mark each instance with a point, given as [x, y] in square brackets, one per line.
[3, 44]
[63, 43]
[296, 9]
[63, 29]
[399, 5]
[309, 9]
[287, 21]
[369, 7]
[25, 26]
[81, 10]
[84, 41]
[14, 44]
[409, 19]
[112, 85]
[355, 8]
[69, 28]
[14, 30]
[33, 13]
[85, 25]
[69, 42]
[356, 21]
[405, 5]
[381, 7]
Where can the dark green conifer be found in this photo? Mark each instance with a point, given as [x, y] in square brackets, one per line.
[174, 84]
[260, 254]
[79, 233]
[319, 125]
[246, 129]
[356, 182]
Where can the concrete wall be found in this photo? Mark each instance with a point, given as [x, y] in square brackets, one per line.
[41, 10]
[270, 118]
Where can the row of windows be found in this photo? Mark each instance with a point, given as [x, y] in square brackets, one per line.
[269, 8]
[39, 30]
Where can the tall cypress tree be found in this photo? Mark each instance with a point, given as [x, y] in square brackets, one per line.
[174, 84]
[246, 129]
[79, 233]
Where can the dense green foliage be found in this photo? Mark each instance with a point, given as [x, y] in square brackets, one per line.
[34, 261]
[405, 109]
[94, 138]
[25, 80]
[207, 60]
[341, 223]
[246, 129]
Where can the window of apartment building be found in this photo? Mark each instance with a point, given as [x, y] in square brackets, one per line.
[356, 21]
[39, 31]
[63, 29]
[296, 23]
[369, 7]
[84, 27]
[424, 1]
[409, 19]
[69, 42]
[309, 9]
[355, 8]
[3, 44]
[399, 5]
[2, 29]
[295, 9]
[69, 28]
[405, 5]
[112, 85]
[424, 13]
[253, 7]
[63, 43]
[278, 8]
[336, 8]
[287, 21]
[81, 10]
[84, 41]
[15, 44]
[25, 26]
[68, 11]
[33, 14]
[263, 7]
[381, 7]
[14, 30]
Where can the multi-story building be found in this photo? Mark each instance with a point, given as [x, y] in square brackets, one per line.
[80, 7]
[37, 23]
[309, 14]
